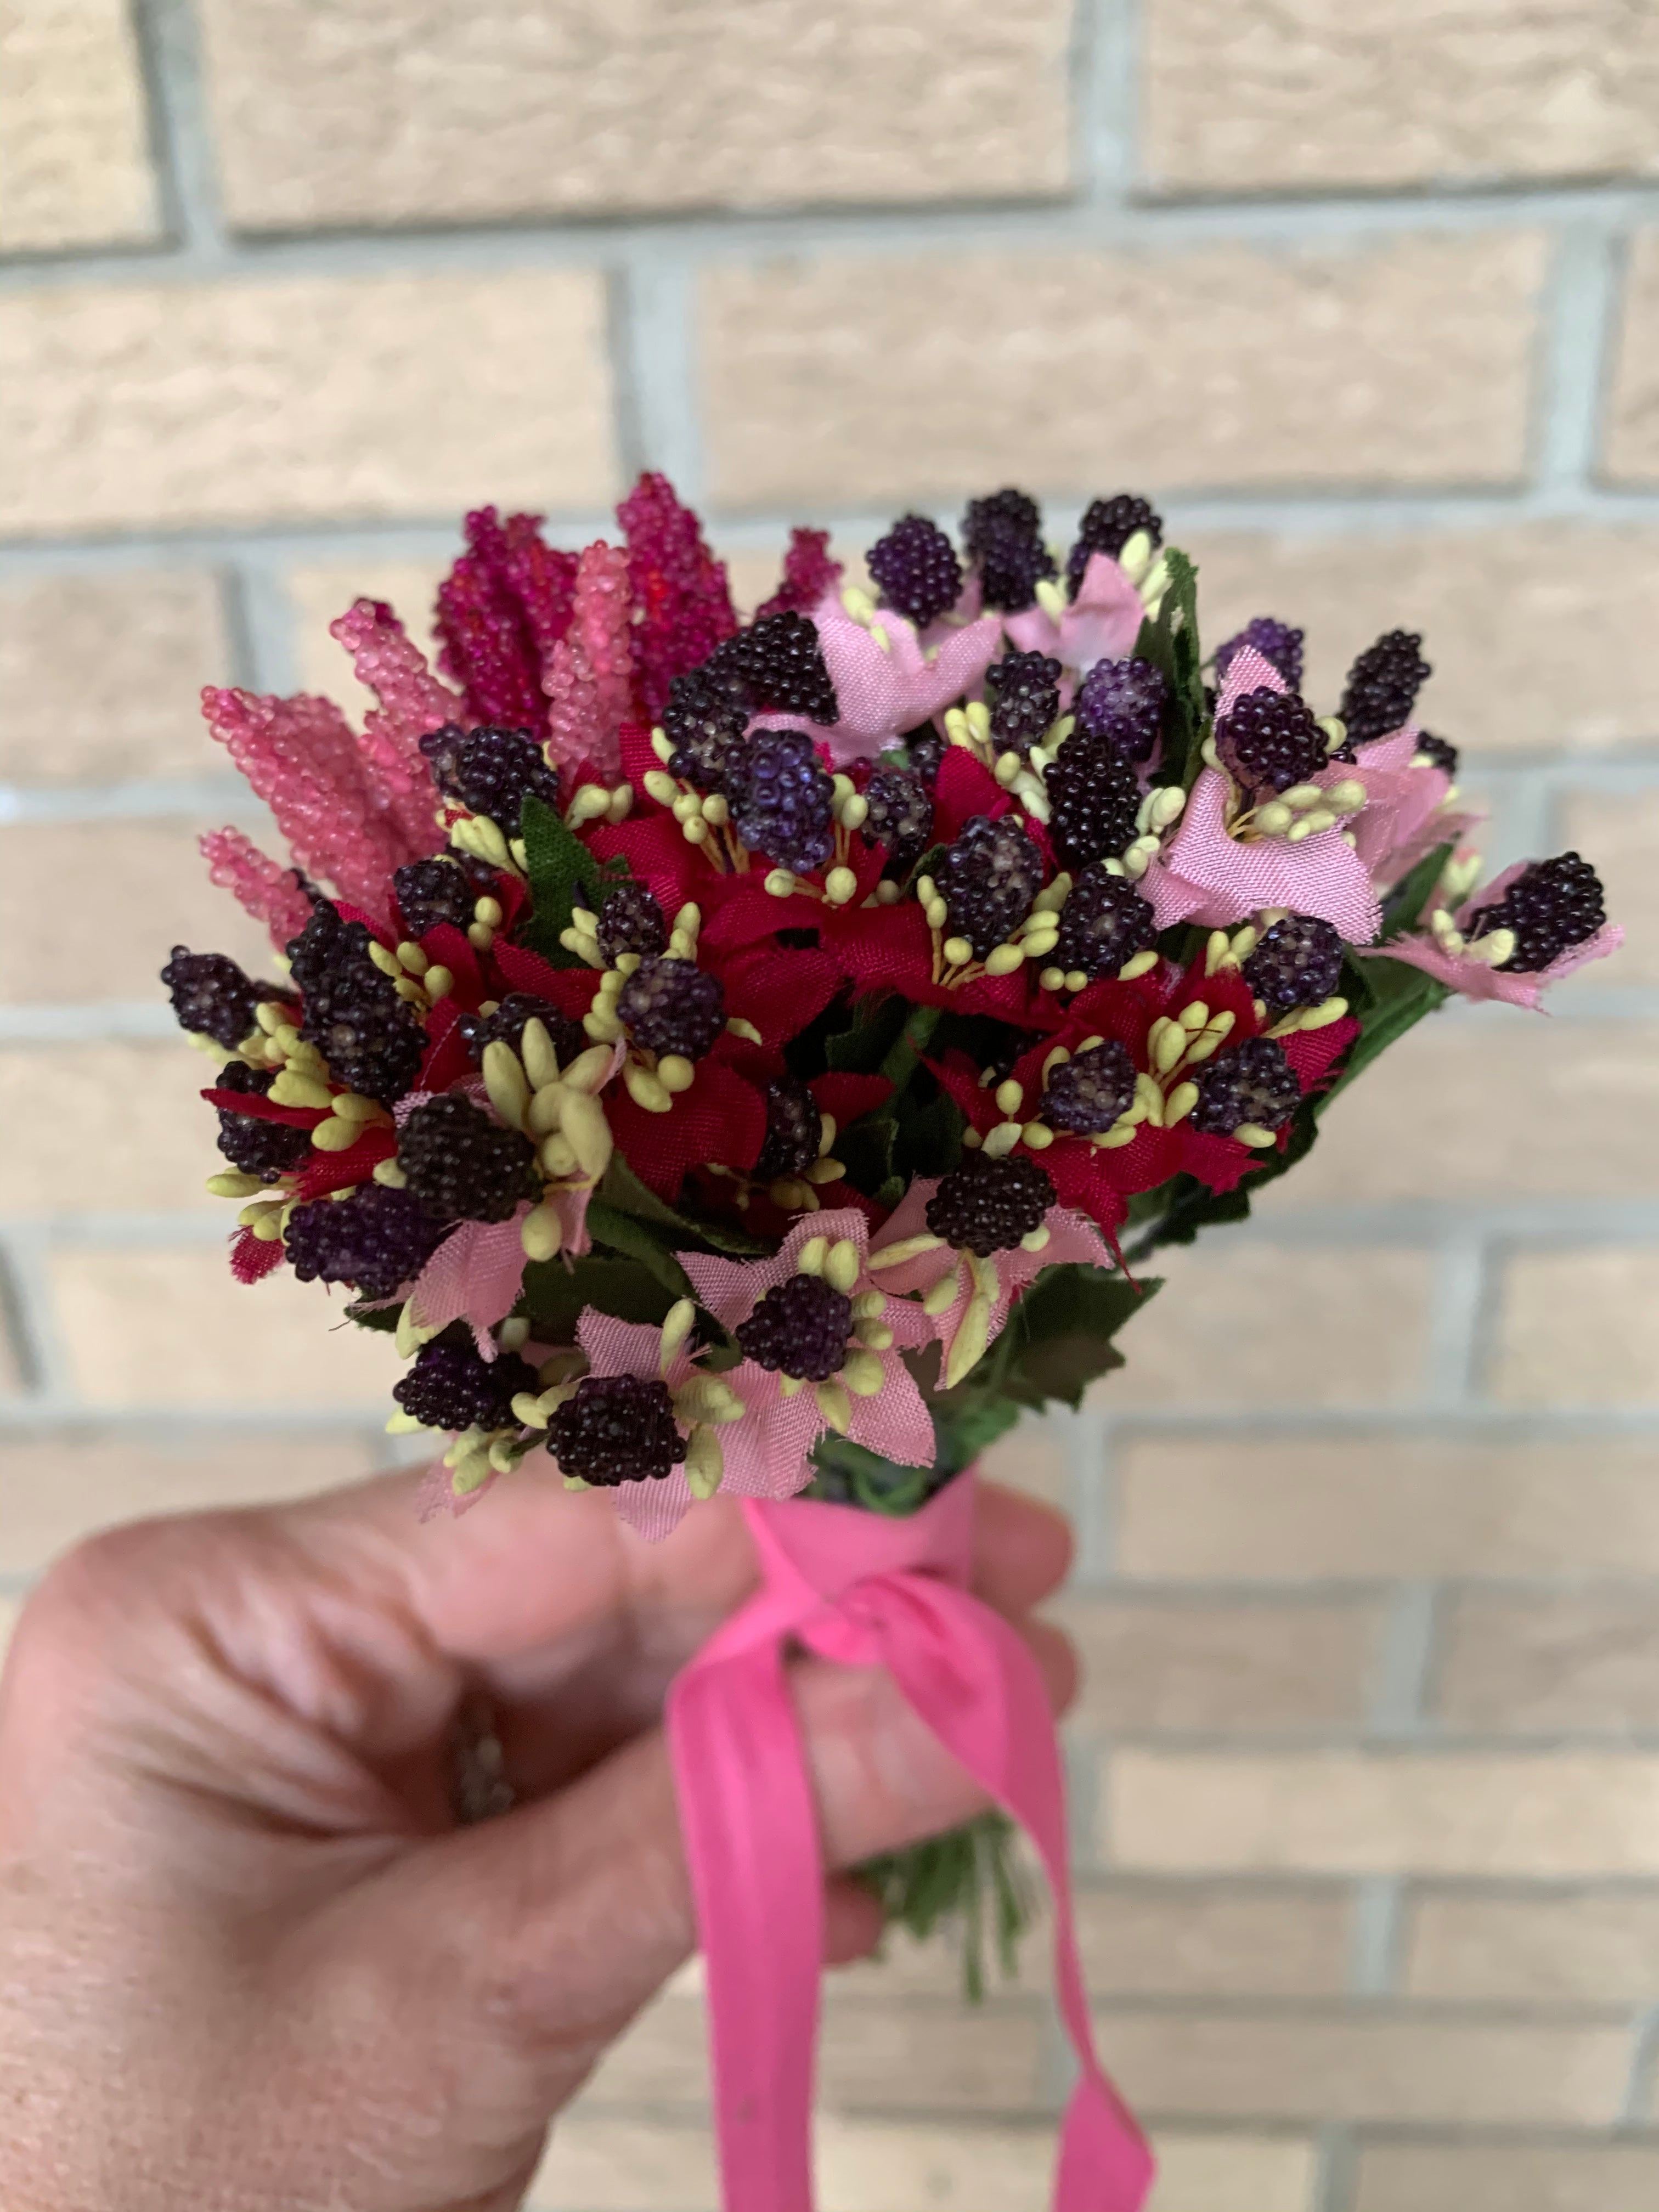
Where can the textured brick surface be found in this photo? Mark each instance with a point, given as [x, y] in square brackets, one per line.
[597, 2163]
[101, 1125]
[62, 1487]
[1342, 1811]
[298, 397]
[1170, 1668]
[74, 163]
[1578, 1329]
[159, 1329]
[1542, 1661]
[98, 676]
[1536, 1947]
[1508, 2178]
[1298, 2067]
[1459, 1111]
[88, 911]
[1352, 1321]
[1623, 833]
[1189, 1939]
[1632, 438]
[1363, 1507]
[1314, 95]
[370, 112]
[849, 379]
[1536, 634]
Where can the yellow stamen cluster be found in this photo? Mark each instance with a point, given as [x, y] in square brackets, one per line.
[1035, 939]
[414, 977]
[1301, 813]
[650, 1082]
[476, 834]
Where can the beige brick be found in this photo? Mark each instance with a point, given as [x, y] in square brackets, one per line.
[116, 1126]
[288, 398]
[1493, 607]
[1551, 1660]
[100, 674]
[90, 910]
[1347, 1812]
[319, 596]
[172, 1329]
[74, 162]
[1352, 1326]
[1245, 1665]
[1621, 836]
[1532, 1947]
[1327, 2065]
[60, 1489]
[1316, 95]
[1031, 1459]
[1405, 2177]
[1578, 1329]
[848, 379]
[879, 2056]
[1303, 1505]
[1459, 1111]
[377, 113]
[1188, 1939]
[598, 2164]
[1633, 437]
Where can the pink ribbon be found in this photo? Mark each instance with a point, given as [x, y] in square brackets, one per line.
[863, 1590]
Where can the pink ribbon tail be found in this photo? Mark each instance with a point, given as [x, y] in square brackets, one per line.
[861, 1591]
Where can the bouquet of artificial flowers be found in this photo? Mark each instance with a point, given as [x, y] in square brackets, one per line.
[759, 1056]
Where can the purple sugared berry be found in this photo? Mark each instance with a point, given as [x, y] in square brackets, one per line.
[265, 1149]
[672, 1007]
[428, 892]
[988, 1206]
[462, 1166]
[617, 1428]
[1094, 797]
[377, 1240]
[451, 1387]
[1090, 1091]
[1439, 753]
[901, 816]
[916, 569]
[794, 1130]
[370, 1037]
[1298, 963]
[1248, 1083]
[1552, 906]
[490, 771]
[1104, 922]
[1279, 645]
[782, 800]
[705, 718]
[1107, 526]
[1023, 691]
[989, 880]
[631, 920]
[211, 996]
[1271, 741]
[1382, 685]
[506, 1026]
[1122, 702]
[1003, 534]
[801, 1326]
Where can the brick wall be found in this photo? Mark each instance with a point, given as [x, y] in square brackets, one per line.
[1368, 1765]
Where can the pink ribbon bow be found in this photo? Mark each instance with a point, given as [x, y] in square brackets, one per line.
[863, 1590]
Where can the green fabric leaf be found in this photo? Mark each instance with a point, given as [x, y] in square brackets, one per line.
[879, 1019]
[635, 1240]
[621, 1189]
[558, 867]
[555, 1292]
[1396, 997]
[1171, 644]
[1058, 1337]
[1403, 908]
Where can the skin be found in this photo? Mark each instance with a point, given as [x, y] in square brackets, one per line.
[247, 1955]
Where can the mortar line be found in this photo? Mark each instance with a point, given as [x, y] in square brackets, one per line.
[1167, 224]
[1336, 2169]
[170, 48]
[1377, 1905]
[28, 1314]
[1397, 1706]
[1574, 336]
[1104, 60]
[264, 624]
[654, 354]
[1635, 2110]
[1457, 1304]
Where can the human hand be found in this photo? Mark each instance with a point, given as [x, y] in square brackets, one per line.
[248, 1957]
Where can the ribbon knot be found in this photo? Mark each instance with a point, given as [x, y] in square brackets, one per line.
[859, 1590]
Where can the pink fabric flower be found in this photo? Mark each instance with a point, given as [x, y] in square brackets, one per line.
[992, 1285]
[1101, 623]
[884, 689]
[1401, 820]
[765, 1453]
[1442, 954]
[1209, 875]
